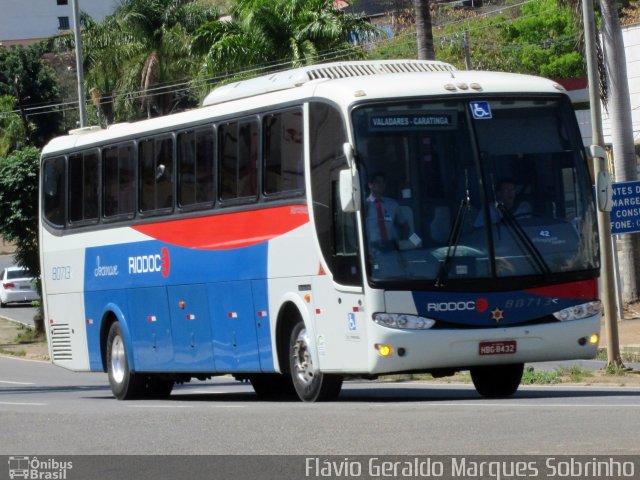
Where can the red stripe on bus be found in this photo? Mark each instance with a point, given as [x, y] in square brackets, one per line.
[587, 289]
[231, 230]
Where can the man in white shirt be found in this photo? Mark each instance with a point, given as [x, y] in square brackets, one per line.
[506, 192]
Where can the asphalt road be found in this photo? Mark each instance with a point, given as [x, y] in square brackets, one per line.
[47, 410]
[22, 313]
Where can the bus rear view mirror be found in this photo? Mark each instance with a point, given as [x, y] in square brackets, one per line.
[349, 190]
[604, 183]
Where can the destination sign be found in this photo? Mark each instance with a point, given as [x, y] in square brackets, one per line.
[411, 120]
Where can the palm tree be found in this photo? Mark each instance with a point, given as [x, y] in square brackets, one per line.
[614, 91]
[424, 30]
[137, 55]
[271, 34]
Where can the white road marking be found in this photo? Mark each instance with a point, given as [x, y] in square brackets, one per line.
[159, 406]
[16, 383]
[23, 403]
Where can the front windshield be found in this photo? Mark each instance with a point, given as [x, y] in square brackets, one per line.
[463, 190]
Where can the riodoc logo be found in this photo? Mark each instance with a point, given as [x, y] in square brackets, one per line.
[151, 263]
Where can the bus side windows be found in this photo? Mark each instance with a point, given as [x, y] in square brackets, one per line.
[54, 187]
[84, 179]
[119, 190]
[156, 174]
[195, 168]
[238, 150]
[283, 152]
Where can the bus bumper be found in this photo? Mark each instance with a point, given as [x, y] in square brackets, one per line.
[461, 349]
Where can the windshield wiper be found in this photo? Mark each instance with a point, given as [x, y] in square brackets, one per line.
[512, 222]
[454, 236]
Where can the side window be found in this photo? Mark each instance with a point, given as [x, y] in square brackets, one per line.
[118, 175]
[283, 152]
[84, 178]
[195, 168]
[336, 230]
[53, 188]
[238, 162]
[156, 174]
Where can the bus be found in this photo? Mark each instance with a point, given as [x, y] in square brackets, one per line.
[244, 238]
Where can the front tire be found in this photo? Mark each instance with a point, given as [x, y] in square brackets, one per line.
[124, 384]
[310, 384]
[497, 381]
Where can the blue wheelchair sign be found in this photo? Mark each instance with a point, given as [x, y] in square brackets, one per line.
[480, 110]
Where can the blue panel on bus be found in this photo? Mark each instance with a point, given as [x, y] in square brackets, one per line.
[150, 326]
[490, 308]
[191, 328]
[147, 279]
[234, 327]
[151, 263]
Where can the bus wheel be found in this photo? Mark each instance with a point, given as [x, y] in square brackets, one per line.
[273, 386]
[310, 385]
[124, 384]
[498, 380]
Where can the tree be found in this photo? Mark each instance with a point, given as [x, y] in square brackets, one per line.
[25, 76]
[272, 34]
[12, 131]
[624, 158]
[424, 30]
[19, 205]
[136, 56]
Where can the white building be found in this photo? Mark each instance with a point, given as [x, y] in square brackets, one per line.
[631, 37]
[28, 21]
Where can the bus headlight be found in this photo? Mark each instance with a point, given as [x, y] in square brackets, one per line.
[403, 321]
[577, 312]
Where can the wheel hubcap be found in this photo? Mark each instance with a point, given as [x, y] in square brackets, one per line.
[302, 363]
[118, 359]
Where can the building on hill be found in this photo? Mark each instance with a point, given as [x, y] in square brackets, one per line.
[26, 22]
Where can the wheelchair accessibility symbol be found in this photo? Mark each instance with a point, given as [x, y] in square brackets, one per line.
[480, 110]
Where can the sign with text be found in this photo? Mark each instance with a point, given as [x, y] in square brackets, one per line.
[625, 214]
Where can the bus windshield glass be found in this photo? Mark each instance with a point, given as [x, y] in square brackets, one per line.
[465, 190]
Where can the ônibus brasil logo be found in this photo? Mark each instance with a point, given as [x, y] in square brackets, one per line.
[151, 263]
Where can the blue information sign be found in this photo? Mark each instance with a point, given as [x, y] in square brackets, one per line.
[625, 214]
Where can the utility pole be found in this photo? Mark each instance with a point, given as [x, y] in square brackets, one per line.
[465, 49]
[80, 75]
[604, 219]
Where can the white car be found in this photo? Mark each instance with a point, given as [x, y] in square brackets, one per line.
[17, 285]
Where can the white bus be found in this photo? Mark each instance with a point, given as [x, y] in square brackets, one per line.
[246, 237]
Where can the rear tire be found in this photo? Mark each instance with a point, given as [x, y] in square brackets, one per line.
[497, 381]
[310, 385]
[125, 385]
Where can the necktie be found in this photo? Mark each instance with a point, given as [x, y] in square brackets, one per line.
[381, 226]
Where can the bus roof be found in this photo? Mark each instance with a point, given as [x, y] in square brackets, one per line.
[345, 83]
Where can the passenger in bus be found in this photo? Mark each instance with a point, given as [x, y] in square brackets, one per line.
[506, 199]
[385, 224]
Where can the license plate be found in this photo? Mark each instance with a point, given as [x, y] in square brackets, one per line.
[498, 348]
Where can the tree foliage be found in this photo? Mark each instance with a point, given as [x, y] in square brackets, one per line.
[12, 131]
[25, 77]
[276, 34]
[19, 204]
[134, 57]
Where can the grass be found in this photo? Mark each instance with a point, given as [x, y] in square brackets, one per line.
[15, 353]
[28, 335]
[626, 356]
[574, 374]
